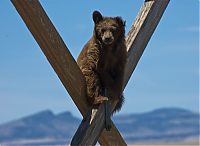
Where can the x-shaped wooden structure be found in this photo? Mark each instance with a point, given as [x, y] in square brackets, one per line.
[69, 73]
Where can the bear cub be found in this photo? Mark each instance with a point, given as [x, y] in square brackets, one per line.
[103, 59]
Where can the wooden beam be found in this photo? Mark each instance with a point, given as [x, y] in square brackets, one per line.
[141, 32]
[60, 59]
[54, 49]
[88, 134]
[91, 127]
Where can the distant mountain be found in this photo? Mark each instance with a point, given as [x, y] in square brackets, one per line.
[162, 125]
[41, 128]
[159, 126]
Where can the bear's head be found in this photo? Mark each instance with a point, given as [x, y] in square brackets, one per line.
[108, 30]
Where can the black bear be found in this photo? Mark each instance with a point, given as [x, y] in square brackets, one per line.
[103, 59]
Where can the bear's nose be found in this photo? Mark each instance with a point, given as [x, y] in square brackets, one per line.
[108, 39]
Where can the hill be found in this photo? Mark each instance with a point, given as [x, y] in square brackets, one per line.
[167, 125]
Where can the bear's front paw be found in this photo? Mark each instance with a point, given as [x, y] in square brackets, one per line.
[100, 99]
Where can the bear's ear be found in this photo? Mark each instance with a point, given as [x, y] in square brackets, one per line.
[120, 21]
[97, 17]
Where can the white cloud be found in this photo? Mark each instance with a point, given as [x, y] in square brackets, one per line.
[191, 29]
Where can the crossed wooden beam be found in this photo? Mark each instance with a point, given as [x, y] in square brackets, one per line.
[68, 71]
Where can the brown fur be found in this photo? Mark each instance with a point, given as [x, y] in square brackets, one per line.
[103, 59]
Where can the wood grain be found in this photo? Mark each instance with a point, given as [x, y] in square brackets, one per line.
[88, 134]
[54, 49]
[141, 32]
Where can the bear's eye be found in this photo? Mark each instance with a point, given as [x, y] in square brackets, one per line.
[113, 29]
[99, 31]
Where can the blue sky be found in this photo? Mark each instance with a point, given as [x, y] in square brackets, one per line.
[166, 76]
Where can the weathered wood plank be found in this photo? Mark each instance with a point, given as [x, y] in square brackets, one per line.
[88, 134]
[91, 127]
[60, 58]
[141, 32]
[54, 49]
